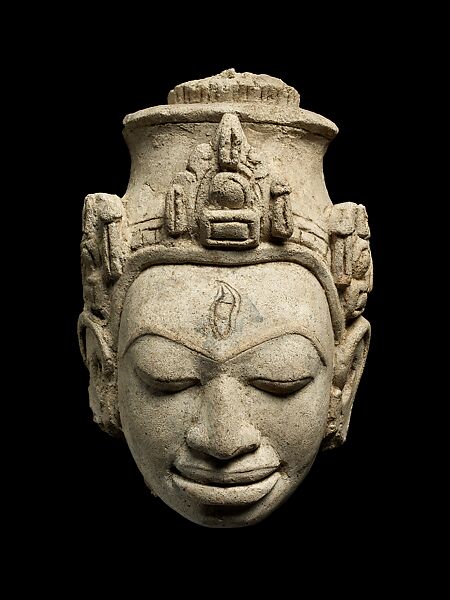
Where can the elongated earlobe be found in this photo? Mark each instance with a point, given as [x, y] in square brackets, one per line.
[99, 359]
[350, 358]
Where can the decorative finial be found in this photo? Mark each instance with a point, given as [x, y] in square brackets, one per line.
[229, 86]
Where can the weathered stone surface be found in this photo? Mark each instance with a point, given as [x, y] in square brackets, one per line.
[223, 294]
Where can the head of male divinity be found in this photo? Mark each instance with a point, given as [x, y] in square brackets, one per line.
[223, 294]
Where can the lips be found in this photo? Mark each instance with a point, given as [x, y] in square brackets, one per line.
[225, 487]
[225, 477]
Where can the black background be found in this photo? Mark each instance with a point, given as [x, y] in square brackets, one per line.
[88, 490]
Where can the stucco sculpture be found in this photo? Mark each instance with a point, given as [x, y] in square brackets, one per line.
[223, 296]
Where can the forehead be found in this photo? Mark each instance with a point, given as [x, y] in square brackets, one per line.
[220, 311]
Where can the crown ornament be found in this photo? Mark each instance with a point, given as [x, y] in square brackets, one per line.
[229, 172]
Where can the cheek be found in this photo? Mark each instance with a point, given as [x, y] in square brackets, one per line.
[295, 426]
[154, 426]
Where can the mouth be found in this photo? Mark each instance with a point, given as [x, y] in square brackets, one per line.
[226, 488]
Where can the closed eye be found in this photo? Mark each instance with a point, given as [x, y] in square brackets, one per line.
[281, 388]
[166, 386]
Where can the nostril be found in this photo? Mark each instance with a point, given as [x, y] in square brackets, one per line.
[252, 447]
[228, 452]
[242, 450]
[221, 447]
[224, 455]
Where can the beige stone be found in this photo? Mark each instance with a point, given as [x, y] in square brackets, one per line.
[223, 295]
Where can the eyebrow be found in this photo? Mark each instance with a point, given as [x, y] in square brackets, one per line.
[194, 348]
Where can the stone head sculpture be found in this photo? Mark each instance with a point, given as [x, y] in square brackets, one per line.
[223, 294]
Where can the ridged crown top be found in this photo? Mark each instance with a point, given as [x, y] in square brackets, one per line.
[230, 86]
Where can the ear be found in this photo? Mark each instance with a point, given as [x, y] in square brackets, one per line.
[350, 358]
[100, 360]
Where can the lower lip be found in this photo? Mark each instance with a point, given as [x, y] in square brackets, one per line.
[236, 495]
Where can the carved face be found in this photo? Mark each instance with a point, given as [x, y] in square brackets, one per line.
[224, 385]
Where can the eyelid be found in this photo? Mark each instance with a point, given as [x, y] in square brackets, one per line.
[166, 385]
[281, 388]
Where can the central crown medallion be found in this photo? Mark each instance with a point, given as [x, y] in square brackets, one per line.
[226, 194]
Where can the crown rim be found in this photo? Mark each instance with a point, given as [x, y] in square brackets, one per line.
[296, 118]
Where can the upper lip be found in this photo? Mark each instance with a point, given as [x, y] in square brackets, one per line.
[225, 477]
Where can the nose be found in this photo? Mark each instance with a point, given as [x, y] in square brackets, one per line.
[223, 429]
